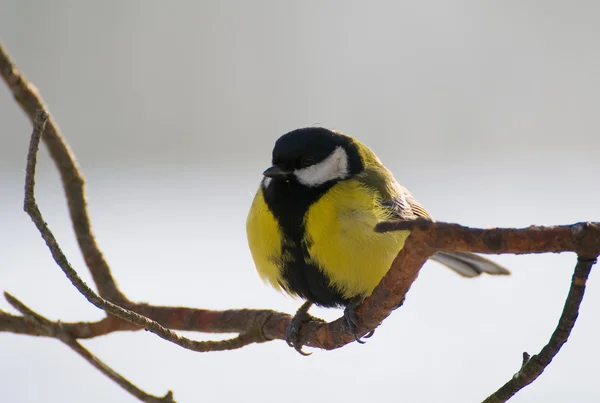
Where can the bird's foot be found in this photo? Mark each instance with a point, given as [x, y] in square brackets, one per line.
[352, 320]
[292, 332]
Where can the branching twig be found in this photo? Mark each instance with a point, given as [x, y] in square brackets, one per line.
[534, 366]
[32, 209]
[52, 329]
[77, 330]
[30, 101]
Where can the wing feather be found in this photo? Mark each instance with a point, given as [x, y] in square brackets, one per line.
[402, 205]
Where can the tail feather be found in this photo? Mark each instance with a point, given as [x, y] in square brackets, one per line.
[469, 264]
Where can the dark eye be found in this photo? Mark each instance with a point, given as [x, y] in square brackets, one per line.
[306, 162]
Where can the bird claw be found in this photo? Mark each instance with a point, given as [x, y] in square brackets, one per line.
[352, 320]
[292, 332]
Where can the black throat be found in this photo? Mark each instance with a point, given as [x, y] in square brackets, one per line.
[289, 201]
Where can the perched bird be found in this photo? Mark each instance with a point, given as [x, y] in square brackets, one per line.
[311, 225]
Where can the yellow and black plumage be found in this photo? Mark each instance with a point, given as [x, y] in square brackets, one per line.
[311, 225]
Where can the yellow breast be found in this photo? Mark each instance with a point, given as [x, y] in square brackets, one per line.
[343, 243]
[339, 228]
[264, 240]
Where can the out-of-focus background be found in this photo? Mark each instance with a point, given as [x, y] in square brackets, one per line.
[486, 111]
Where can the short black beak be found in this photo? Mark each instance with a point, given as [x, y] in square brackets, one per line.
[275, 172]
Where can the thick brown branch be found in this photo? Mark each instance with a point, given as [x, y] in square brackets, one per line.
[45, 327]
[534, 366]
[30, 101]
[582, 238]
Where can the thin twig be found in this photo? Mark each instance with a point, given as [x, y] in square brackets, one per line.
[55, 330]
[534, 366]
[33, 210]
[77, 330]
[30, 101]
[172, 317]
[18, 325]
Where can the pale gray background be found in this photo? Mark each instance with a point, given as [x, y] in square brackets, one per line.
[487, 111]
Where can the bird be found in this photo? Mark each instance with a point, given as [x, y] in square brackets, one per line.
[310, 227]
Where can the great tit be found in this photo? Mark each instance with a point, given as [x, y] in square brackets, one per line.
[311, 224]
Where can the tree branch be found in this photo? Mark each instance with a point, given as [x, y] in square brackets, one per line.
[582, 238]
[534, 366]
[33, 210]
[30, 101]
[55, 330]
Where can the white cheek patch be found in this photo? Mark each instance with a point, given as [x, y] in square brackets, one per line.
[335, 166]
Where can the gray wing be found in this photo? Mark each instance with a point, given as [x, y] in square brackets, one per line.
[469, 264]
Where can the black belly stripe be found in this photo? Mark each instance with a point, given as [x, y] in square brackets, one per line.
[289, 201]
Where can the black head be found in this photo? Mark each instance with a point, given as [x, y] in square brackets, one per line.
[314, 156]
